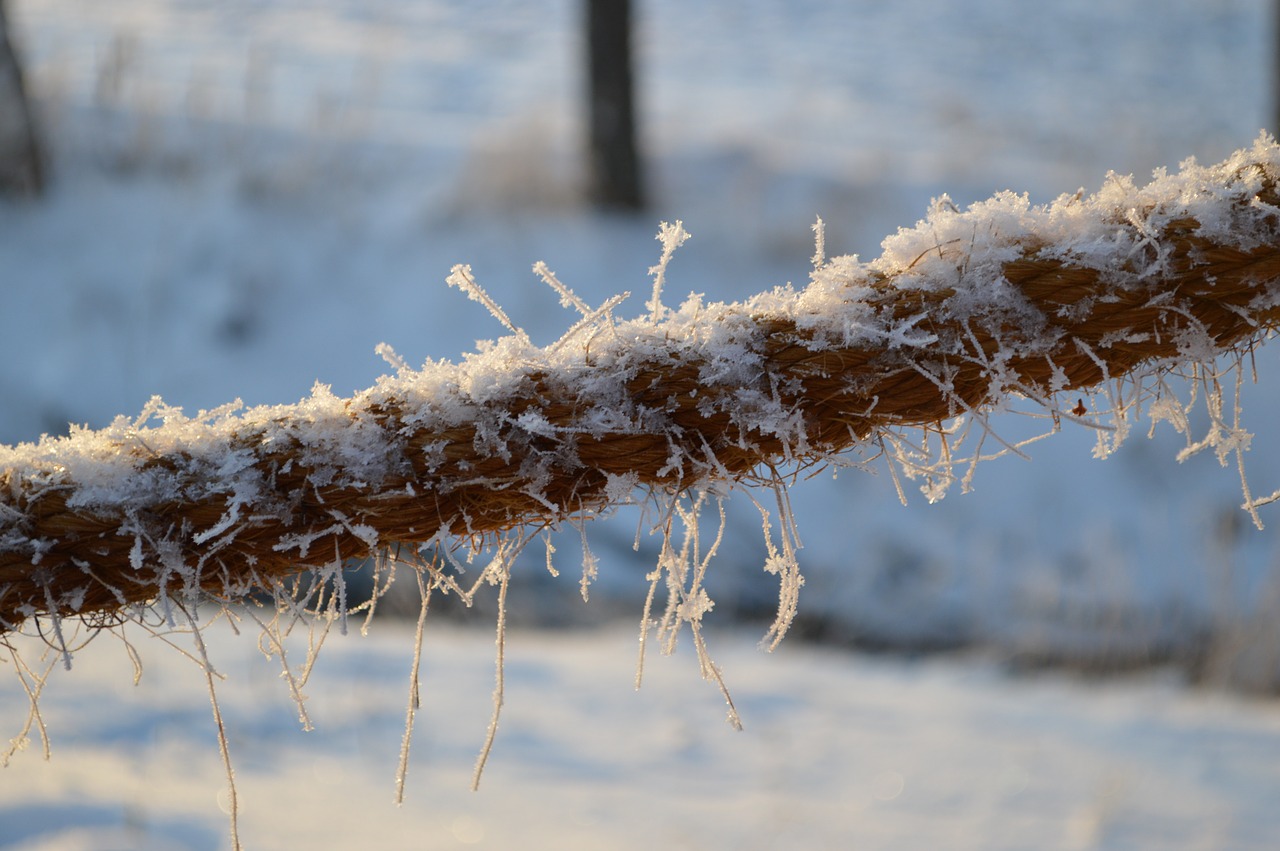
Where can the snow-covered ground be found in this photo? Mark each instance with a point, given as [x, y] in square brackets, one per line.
[250, 195]
[838, 751]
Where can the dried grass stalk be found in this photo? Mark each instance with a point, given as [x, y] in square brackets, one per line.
[1002, 299]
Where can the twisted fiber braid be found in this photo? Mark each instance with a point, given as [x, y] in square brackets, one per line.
[536, 452]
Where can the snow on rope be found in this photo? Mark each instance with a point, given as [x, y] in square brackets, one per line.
[1099, 297]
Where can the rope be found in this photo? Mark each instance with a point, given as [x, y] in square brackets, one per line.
[959, 313]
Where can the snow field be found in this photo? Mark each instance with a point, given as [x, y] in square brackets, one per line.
[837, 750]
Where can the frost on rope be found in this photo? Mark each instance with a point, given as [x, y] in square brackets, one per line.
[1089, 308]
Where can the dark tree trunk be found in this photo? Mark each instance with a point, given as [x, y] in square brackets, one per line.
[614, 178]
[21, 168]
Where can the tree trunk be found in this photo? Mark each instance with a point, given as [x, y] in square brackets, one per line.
[614, 178]
[21, 169]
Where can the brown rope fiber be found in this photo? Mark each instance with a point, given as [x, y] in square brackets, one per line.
[1081, 292]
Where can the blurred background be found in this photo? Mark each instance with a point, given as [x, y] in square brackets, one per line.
[238, 199]
[245, 198]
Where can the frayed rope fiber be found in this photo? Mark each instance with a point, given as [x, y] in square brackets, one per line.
[957, 314]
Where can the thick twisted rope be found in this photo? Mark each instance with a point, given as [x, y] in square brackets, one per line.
[957, 314]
